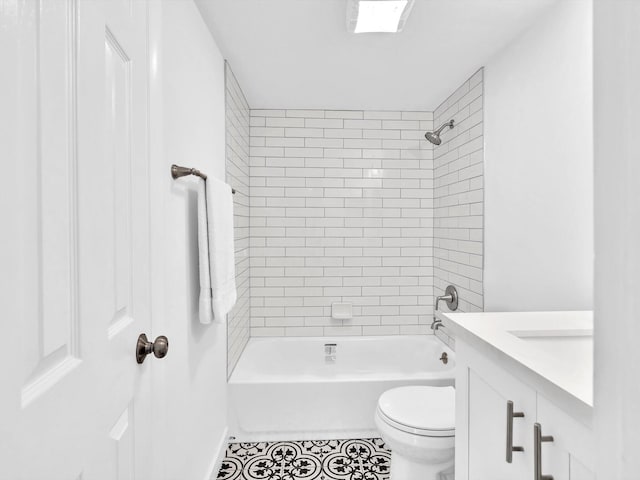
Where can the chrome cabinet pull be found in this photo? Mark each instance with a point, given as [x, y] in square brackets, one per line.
[538, 439]
[510, 416]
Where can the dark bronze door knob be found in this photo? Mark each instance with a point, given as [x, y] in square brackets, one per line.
[144, 347]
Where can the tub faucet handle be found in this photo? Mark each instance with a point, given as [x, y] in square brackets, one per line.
[450, 296]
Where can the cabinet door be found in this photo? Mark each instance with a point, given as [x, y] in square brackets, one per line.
[570, 455]
[578, 471]
[488, 399]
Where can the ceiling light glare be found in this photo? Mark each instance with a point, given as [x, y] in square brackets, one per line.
[377, 16]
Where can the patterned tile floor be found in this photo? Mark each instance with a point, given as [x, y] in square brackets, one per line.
[360, 459]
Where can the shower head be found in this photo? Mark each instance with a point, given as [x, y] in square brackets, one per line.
[434, 137]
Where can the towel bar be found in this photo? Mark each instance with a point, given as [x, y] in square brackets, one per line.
[178, 171]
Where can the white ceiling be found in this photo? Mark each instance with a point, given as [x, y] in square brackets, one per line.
[298, 53]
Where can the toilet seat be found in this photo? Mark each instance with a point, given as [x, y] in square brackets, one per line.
[419, 410]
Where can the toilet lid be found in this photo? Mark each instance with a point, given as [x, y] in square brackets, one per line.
[422, 410]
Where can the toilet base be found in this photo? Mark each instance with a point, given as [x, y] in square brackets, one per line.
[403, 468]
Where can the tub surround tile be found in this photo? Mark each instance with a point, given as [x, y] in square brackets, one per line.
[237, 139]
[459, 197]
[354, 459]
[445, 336]
[345, 215]
[458, 183]
[356, 206]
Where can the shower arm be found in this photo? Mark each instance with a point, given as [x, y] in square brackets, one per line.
[447, 124]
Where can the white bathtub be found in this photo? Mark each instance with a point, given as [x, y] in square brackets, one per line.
[287, 388]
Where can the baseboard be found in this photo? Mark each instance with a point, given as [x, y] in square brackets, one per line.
[219, 456]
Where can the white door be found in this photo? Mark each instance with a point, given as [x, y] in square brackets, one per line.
[75, 239]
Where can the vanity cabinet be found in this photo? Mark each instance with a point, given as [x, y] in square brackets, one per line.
[486, 394]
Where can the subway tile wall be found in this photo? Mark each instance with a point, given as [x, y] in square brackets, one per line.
[459, 197]
[342, 206]
[237, 168]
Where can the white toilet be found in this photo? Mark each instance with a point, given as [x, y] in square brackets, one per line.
[418, 424]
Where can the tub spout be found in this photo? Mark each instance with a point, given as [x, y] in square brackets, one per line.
[330, 352]
[436, 324]
[330, 348]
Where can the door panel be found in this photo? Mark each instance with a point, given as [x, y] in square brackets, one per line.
[77, 400]
[122, 435]
[54, 352]
[118, 155]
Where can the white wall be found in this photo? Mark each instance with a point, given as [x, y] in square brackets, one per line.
[539, 166]
[617, 208]
[187, 127]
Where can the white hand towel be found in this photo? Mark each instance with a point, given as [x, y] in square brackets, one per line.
[206, 309]
[222, 262]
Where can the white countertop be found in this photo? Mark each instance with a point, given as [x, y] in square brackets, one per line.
[552, 351]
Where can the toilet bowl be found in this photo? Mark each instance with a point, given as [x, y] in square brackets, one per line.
[418, 424]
